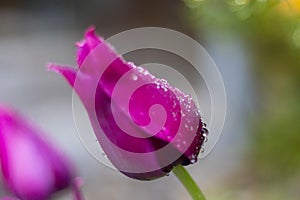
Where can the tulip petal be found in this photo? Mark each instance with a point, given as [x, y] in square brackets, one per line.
[68, 72]
[89, 42]
[32, 168]
[144, 125]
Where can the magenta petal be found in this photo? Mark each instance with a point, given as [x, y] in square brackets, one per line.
[32, 168]
[89, 42]
[144, 125]
[68, 72]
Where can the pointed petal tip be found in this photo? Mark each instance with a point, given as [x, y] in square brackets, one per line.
[56, 68]
[87, 44]
[91, 36]
[52, 67]
[68, 72]
[79, 44]
[90, 31]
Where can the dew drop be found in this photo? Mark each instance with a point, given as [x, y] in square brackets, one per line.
[174, 114]
[202, 150]
[131, 64]
[204, 130]
[140, 69]
[206, 139]
[193, 160]
[134, 77]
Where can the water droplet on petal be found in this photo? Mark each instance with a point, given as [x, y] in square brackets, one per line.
[134, 77]
[173, 114]
[202, 150]
[206, 139]
[204, 130]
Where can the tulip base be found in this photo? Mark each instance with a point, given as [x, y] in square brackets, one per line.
[188, 182]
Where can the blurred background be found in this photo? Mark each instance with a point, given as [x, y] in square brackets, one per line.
[255, 44]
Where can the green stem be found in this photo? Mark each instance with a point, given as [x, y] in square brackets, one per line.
[188, 182]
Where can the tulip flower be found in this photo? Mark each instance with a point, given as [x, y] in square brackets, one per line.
[145, 126]
[32, 168]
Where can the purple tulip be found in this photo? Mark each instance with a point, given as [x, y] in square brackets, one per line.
[144, 125]
[32, 169]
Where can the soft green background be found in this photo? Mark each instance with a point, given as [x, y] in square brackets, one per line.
[270, 31]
